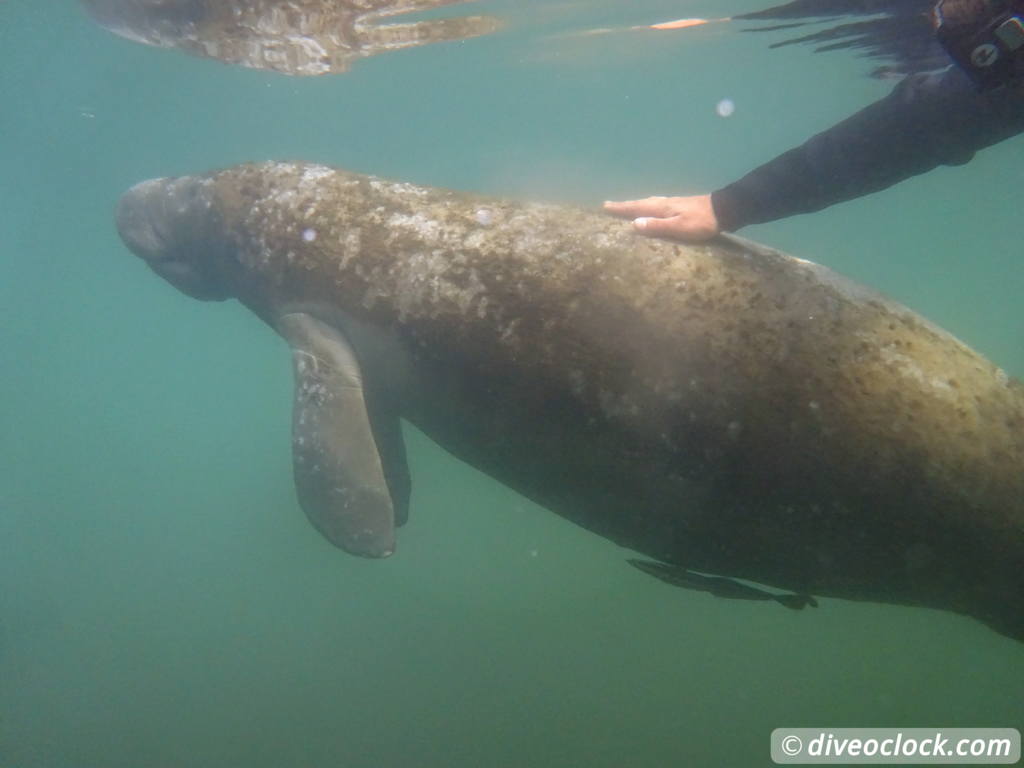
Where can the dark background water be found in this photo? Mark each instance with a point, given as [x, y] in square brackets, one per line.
[165, 603]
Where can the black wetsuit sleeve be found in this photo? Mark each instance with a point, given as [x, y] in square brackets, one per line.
[927, 120]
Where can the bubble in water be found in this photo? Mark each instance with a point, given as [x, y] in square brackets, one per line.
[484, 217]
[725, 107]
[309, 235]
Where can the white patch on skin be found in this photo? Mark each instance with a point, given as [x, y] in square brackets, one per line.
[908, 367]
[270, 45]
[316, 56]
[508, 333]
[351, 243]
[475, 240]
[312, 174]
[424, 282]
[397, 188]
[420, 224]
[530, 243]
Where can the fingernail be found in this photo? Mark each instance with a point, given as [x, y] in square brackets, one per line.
[641, 223]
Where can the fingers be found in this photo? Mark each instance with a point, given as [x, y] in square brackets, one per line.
[681, 227]
[649, 206]
[676, 228]
[683, 218]
[673, 226]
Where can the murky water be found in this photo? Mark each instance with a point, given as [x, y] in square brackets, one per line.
[164, 601]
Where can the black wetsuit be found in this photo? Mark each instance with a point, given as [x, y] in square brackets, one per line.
[927, 120]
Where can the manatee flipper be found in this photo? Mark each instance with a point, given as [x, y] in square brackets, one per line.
[339, 474]
[719, 586]
[387, 429]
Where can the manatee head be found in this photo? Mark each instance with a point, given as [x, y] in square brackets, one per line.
[171, 225]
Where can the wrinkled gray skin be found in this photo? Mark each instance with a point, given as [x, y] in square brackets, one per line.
[720, 407]
[294, 37]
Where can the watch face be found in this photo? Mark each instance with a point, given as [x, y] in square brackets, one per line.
[985, 55]
[989, 51]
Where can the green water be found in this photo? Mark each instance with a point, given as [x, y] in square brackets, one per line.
[165, 603]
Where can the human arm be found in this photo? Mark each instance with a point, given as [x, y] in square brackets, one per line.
[927, 120]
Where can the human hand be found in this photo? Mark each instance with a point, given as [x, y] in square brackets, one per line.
[682, 218]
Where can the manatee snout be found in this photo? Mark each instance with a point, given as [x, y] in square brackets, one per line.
[164, 222]
[142, 231]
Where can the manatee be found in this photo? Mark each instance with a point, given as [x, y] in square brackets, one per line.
[294, 37]
[726, 410]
